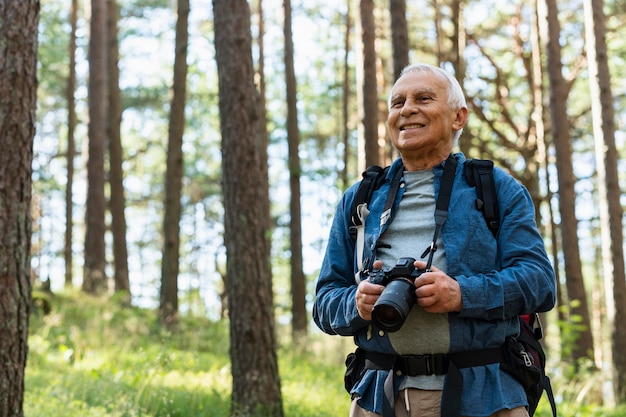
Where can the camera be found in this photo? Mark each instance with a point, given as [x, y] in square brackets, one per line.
[394, 304]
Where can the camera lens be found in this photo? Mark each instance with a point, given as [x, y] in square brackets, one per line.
[393, 305]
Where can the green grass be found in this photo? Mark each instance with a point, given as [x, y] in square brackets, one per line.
[91, 358]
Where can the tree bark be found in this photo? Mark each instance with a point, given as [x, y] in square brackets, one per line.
[18, 83]
[458, 62]
[298, 280]
[71, 150]
[256, 382]
[174, 173]
[399, 36]
[609, 192]
[369, 86]
[345, 100]
[117, 203]
[263, 143]
[94, 277]
[578, 304]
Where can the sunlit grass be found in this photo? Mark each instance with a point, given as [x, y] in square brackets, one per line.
[91, 358]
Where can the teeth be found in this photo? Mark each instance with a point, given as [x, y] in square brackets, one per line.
[415, 126]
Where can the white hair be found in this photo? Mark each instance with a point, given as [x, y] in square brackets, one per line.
[456, 97]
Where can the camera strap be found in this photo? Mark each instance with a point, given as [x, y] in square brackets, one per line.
[441, 215]
[441, 209]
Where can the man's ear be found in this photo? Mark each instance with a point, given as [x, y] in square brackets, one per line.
[461, 119]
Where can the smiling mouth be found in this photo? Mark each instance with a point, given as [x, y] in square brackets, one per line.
[413, 126]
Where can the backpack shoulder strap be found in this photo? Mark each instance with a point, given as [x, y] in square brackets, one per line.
[479, 173]
[373, 178]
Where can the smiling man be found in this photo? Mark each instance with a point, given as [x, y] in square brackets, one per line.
[465, 299]
[424, 118]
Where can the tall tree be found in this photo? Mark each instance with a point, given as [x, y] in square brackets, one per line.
[263, 143]
[117, 201]
[439, 32]
[18, 83]
[345, 99]
[458, 39]
[298, 280]
[611, 211]
[256, 382]
[457, 53]
[538, 130]
[369, 86]
[399, 36]
[71, 148]
[94, 277]
[583, 348]
[174, 173]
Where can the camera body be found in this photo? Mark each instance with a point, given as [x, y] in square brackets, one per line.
[394, 304]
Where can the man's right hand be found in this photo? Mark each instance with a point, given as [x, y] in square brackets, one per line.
[367, 294]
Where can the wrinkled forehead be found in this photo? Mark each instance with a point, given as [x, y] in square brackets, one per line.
[418, 82]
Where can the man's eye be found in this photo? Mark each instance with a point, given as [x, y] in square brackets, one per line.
[397, 104]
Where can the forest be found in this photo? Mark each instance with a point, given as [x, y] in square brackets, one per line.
[170, 170]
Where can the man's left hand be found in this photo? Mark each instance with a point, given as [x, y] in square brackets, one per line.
[436, 291]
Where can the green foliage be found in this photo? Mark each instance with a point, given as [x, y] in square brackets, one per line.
[92, 357]
[570, 330]
[53, 61]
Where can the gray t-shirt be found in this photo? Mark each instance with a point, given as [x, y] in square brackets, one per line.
[408, 235]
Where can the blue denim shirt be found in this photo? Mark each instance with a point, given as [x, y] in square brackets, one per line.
[499, 278]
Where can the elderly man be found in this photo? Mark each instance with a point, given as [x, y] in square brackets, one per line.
[467, 296]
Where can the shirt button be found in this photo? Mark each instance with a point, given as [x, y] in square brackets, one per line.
[381, 333]
[399, 373]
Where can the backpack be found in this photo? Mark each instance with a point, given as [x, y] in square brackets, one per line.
[524, 357]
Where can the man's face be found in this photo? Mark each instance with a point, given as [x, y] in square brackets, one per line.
[420, 121]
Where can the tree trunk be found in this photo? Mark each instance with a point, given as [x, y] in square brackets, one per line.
[264, 205]
[345, 101]
[94, 278]
[458, 39]
[583, 348]
[117, 202]
[399, 36]
[71, 150]
[18, 83]
[298, 280]
[263, 143]
[538, 116]
[256, 382]
[439, 33]
[609, 191]
[458, 62]
[369, 86]
[538, 126]
[174, 173]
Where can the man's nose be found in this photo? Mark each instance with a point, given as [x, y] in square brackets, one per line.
[409, 107]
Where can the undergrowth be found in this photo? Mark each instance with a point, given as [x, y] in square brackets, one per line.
[90, 357]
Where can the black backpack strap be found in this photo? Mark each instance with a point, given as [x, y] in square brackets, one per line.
[453, 386]
[479, 173]
[373, 177]
[547, 386]
[441, 209]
